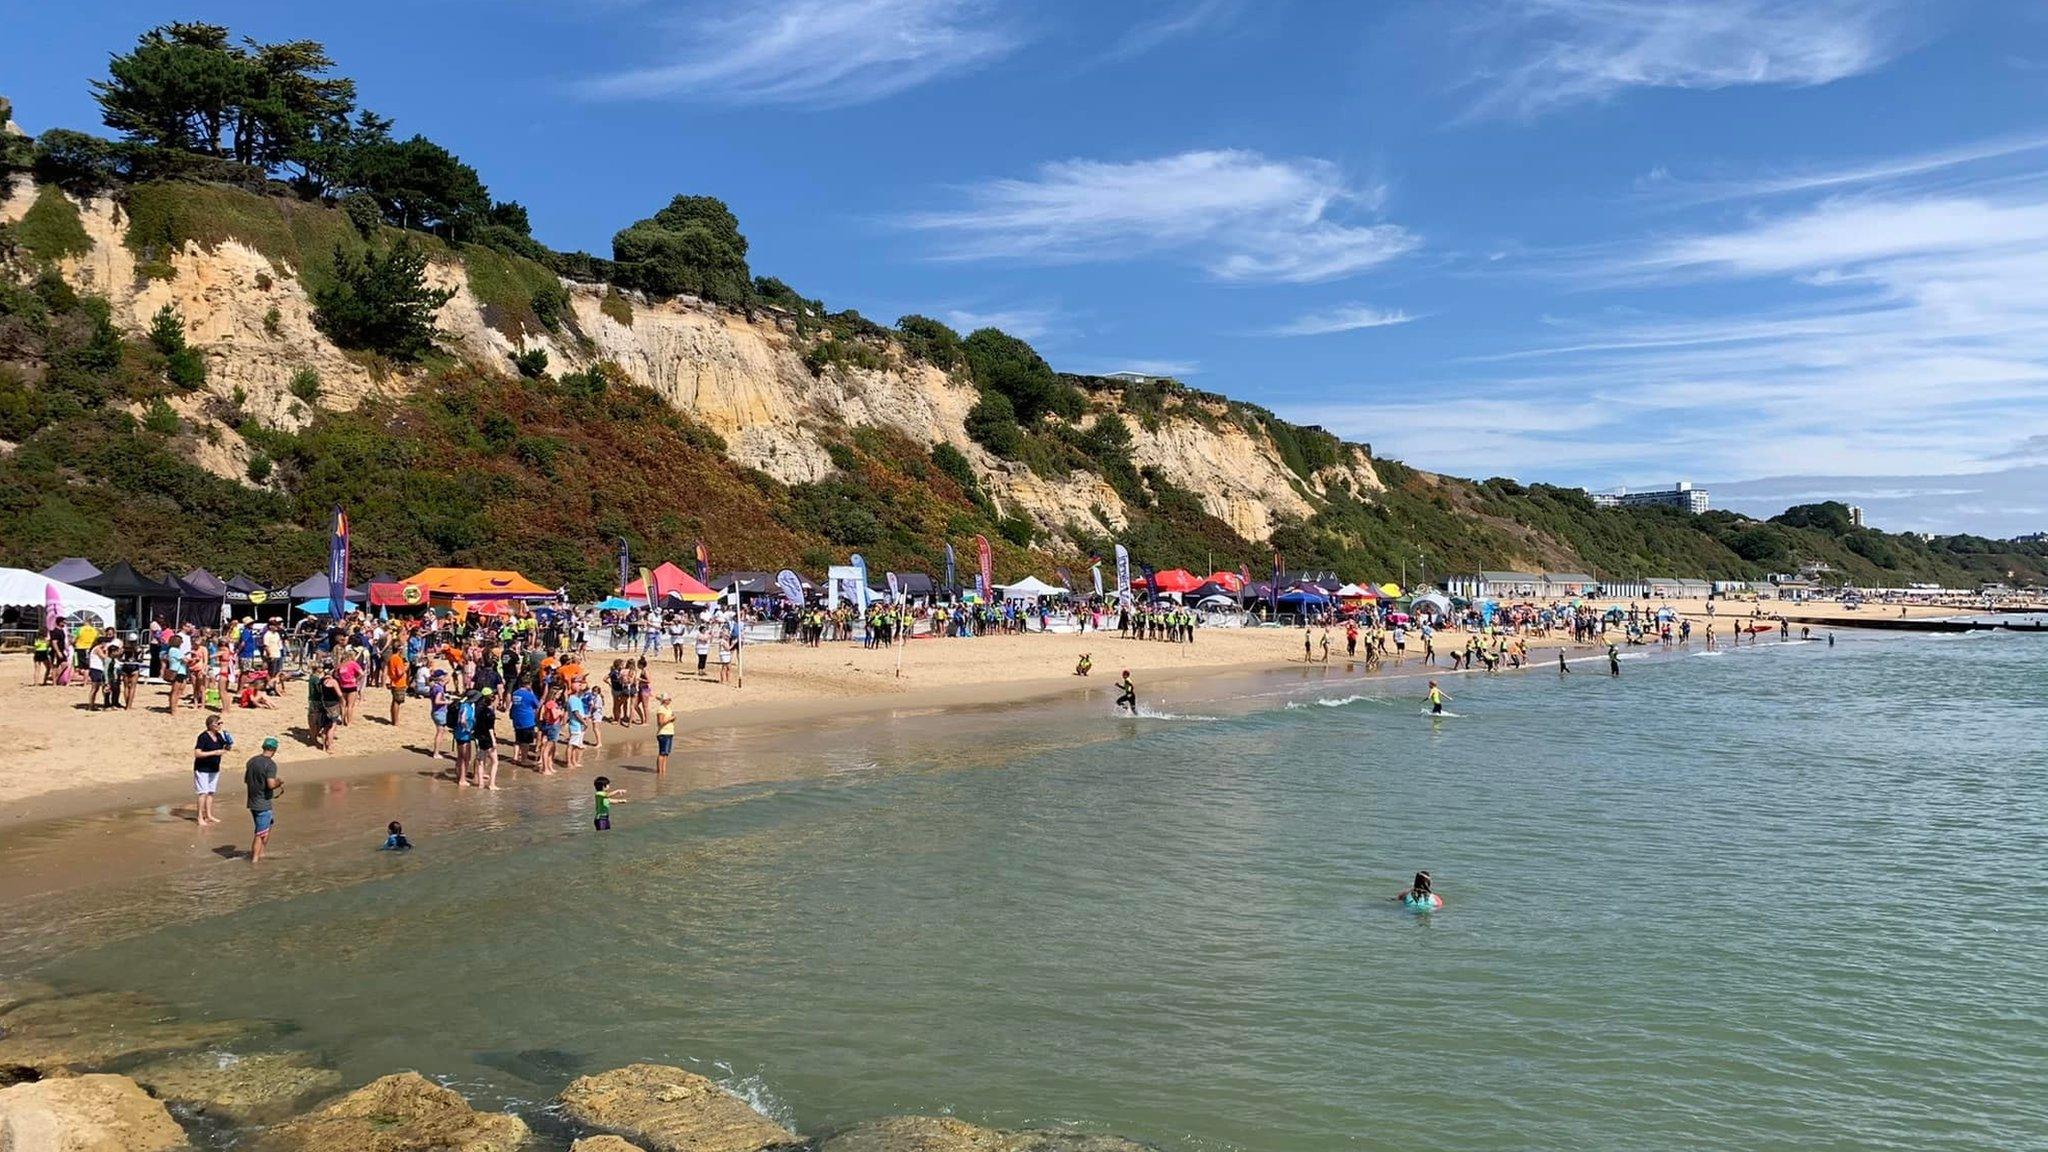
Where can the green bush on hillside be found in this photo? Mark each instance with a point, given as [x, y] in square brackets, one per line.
[381, 302]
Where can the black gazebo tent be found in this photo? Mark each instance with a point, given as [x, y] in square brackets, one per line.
[130, 589]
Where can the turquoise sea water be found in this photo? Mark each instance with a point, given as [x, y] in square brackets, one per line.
[1788, 896]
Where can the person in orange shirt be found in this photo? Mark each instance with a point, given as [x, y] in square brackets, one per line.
[395, 678]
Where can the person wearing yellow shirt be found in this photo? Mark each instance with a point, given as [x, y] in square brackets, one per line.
[664, 732]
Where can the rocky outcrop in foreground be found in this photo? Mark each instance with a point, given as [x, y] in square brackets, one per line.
[666, 1109]
[97, 1113]
[253, 1089]
[405, 1112]
[47, 1040]
[75, 1033]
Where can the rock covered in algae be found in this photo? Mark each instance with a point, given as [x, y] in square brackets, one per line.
[240, 1089]
[945, 1134]
[97, 1113]
[666, 1109]
[98, 1028]
[405, 1112]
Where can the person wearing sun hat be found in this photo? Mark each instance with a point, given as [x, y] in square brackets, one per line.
[261, 778]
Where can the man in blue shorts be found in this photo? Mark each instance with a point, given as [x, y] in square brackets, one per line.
[261, 778]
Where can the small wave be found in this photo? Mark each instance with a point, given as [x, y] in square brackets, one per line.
[1145, 713]
[1715, 653]
[1325, 702]
[755, 1091]
[1446, 713]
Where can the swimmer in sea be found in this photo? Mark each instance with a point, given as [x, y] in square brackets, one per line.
[1563, 669]
[1436, 699]
[1127, 693]
[1421, 893]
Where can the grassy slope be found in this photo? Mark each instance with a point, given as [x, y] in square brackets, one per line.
[546, 476]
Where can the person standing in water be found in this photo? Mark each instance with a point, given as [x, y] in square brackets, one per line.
[1422, 891]
[1436, 699]
[1563, 669]
[1127, 693]
[1613, 661]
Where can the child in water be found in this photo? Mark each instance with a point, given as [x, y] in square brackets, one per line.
[396, 841]
[1127, 693]
[1421, 892]
[606, 795]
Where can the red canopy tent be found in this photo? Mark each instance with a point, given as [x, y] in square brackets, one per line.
[670, 580]
[1231, 580]
[1175, 580]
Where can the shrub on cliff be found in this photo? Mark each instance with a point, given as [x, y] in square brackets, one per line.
[992, 422]
[693, 247]
[1005, 365]
[932, 342]
[381, 303]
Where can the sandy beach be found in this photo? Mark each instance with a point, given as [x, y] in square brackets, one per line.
[70, 761]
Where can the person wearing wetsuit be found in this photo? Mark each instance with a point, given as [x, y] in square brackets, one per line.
[1127, 693]
[1436, 699]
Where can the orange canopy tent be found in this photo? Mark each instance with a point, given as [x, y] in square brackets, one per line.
[475, 584]
[670, 580]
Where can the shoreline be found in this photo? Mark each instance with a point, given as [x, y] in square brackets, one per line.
[799, 687]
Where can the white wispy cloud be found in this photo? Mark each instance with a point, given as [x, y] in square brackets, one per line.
[1555, 53]
[1026, 322]
[814, 53]
[1903, 332]
[1890, 171]
[1343, 318]
[1236, 214]
[1101, 367]
[1180, 19]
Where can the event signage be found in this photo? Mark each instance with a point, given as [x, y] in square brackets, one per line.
[791, 586]
[895, 590]
[1276, 585]
[1151, 584]
[1095, 571]
[950, 582]
[1123, 574]
[625, 567]
[860, 591]
[703, 563]
[987, 579]
[337, 566]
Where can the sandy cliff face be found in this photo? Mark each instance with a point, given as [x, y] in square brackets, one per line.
[741, 376]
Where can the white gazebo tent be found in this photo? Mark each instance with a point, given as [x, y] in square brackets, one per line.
[1029, 587]
[21, 588]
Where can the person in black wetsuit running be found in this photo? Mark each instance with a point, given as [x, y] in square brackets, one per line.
[1127, 693]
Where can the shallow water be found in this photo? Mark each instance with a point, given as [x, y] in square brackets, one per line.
[1784, 895]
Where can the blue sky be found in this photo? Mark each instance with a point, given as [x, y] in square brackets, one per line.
[1584, 241]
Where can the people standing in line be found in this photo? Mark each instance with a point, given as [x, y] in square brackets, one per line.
[261, 779]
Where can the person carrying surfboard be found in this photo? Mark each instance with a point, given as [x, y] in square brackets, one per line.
[1436, 701]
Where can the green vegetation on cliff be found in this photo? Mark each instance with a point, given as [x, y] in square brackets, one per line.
[261, 144]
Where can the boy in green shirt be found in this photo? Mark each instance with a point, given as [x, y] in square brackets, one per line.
[606, 794]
